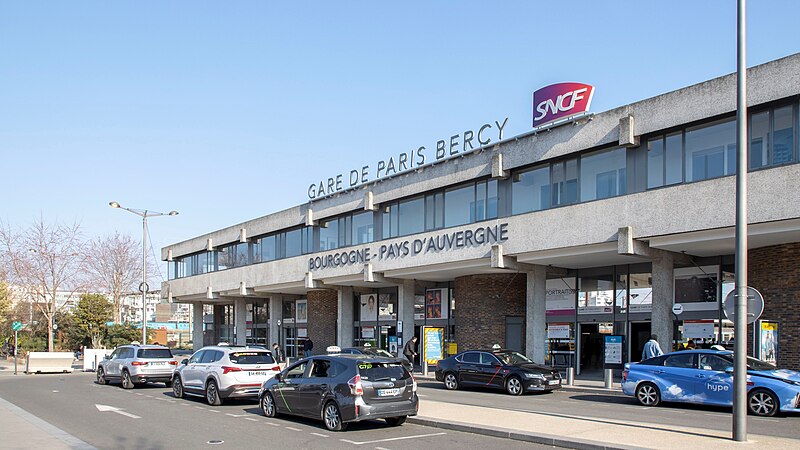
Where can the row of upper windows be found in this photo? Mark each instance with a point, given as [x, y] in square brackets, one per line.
[685, 155]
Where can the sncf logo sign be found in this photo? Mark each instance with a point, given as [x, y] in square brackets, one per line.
[561, 100]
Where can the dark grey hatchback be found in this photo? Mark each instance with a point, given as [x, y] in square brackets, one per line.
[342, 388]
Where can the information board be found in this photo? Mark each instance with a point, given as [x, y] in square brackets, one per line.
[433, 341]
[612, 351]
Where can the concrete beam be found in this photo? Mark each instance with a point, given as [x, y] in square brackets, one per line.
[369, 202]
[311, 283]
[627, 137]
[500, 261]
[497, 167]
[242, 235]
[371, 276]
[310, 218]
[628, 245]
[210, 294]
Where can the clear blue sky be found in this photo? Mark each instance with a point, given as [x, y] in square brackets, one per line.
[227, 111]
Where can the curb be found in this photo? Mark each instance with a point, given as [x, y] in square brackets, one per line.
[536, 438]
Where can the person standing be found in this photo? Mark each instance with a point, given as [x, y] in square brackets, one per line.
[410, 350]
[651, 348]
[277, 352]
[308, 345]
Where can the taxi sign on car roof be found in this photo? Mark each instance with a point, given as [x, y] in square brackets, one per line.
[333, 349]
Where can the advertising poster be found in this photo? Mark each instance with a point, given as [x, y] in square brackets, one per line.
[368, 332]
[302, 311]
[386, 309]
[613, 351]
[436, 303]
[393, 345]
[369, 307]
[433, 341]
[419, 307]
[769, 341]
[558, 330]
[560, 296]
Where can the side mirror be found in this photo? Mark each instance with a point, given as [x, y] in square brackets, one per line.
[279, 376]
[729, 370]
[185, 362]
[107, 357]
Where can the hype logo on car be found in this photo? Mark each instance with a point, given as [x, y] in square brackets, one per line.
[717, 387]
[560, 100]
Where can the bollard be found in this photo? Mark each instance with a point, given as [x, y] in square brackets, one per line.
[570, 376]
[608, 378]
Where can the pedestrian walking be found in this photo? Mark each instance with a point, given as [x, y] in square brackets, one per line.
[410, 350]
[308, 346]
[278, 354]
[651, 348]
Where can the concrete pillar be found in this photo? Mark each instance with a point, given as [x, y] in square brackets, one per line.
[197, 326]
[240, 321]
[405, 312]
[663, 298]
[275, 311]
[344, 318]
[535, 312]
[322, 315]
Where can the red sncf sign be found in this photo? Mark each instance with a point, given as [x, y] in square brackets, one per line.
[561, 100]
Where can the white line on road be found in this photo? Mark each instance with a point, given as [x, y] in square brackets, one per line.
[149, 396]
[199, 407]
[213, 410]
[381, 448]
[251, 419]
[139, 393]
[293, 429]
[392, 439]
[105, 408]
[273, 424]
[320, 435]
[236, 415]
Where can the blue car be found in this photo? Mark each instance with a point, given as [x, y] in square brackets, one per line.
[706, 377]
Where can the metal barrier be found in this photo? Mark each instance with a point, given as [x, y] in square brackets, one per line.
[49, 362]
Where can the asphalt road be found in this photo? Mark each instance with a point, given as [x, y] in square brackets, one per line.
[597, 407]
[150, 417]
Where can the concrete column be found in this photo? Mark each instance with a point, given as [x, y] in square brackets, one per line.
[663, 298]
[275, 311]
[535, 312]
[240, 320]
[322, 316]
[197, 326]
[405, 311]
[344, 318]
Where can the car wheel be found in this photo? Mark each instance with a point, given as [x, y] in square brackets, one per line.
[212, 393]
[450, 381]
[762, 403]
[514, 385]
[332, 417]
[396, 421]
[127, 383]
[101, 376]
[177, 388]
[268, 405]
[648, 395]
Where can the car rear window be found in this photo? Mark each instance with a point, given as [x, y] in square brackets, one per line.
[382, 371]
[155, 353]
[252, 358]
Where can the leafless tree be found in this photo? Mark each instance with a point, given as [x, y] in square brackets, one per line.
[44, 259]
[114, 265]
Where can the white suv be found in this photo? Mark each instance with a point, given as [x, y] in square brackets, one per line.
[221, 372]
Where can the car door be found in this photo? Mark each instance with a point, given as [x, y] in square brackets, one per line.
[189, 373]
[713, 382]
[467, 368]
[286, 389]
[112, 363]
[678, 377]
[207, 367]
[490, 371]
[311, 389]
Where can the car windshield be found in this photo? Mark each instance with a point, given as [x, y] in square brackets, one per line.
[382, 371]
[378, 352]
[512, 358]
[163, 353]
[752, 363]
[251, 358]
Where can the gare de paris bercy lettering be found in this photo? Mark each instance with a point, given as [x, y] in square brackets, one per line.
[473, 237]
[457, 144]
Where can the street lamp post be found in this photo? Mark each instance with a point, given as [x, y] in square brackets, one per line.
[144, 214]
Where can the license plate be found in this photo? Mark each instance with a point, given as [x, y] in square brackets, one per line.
[552, 382]
[157, 363]
[259, 373]
[388, 392]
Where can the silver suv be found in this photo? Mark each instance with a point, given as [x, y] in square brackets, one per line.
[134, 364]
[221, 372]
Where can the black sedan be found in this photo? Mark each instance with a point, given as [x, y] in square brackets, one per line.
[499, 369]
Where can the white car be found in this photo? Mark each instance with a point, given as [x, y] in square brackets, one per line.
[221, 372]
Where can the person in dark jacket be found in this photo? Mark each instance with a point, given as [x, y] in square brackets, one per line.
[308, 345]
[410, 350]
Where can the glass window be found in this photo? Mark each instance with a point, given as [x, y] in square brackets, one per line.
[711, 151]
[564, 178]
[714, 362]
[491, 199]
[411, 216]
[434, 211]
[471, 358]
[490, 359]
[655, 162]
[530, 190]
[252, 358]
[674, 158]
[390, 221]
[267, 248]
[685, 360]
[458, 205]
[362, 228]
[329, 235]
[162, 353]
[196, 357]
[759, 140]
[307, 236]
[320, 368]
[297, 370]
[603, 174]
[294, 244]
[783, 146]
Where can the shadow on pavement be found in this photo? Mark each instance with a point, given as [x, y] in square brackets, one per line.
[366, 425]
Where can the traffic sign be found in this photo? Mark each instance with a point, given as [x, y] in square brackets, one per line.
[755, 305]
[677, 309]
[16, 326]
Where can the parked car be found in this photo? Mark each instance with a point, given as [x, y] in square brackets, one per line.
[340, 389]
[135, 364]
[498, 369]
[374, 351]
[221, 372]
[706, 377]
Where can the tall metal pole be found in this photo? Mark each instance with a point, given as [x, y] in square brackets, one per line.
[144, 278]
[740, 322]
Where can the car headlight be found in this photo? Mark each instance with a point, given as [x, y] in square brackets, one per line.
[534, 376]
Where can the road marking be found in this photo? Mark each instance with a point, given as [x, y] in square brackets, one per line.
[251, 419]
[149, 396]
[213, 410]
[273, 424]
[105, 408]
[381, 448]
[55, 391]
[236, 415]
[199, 407]
[293, 429]
[320, 435]
[392, 439]
[139, 393]
[767, 419]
